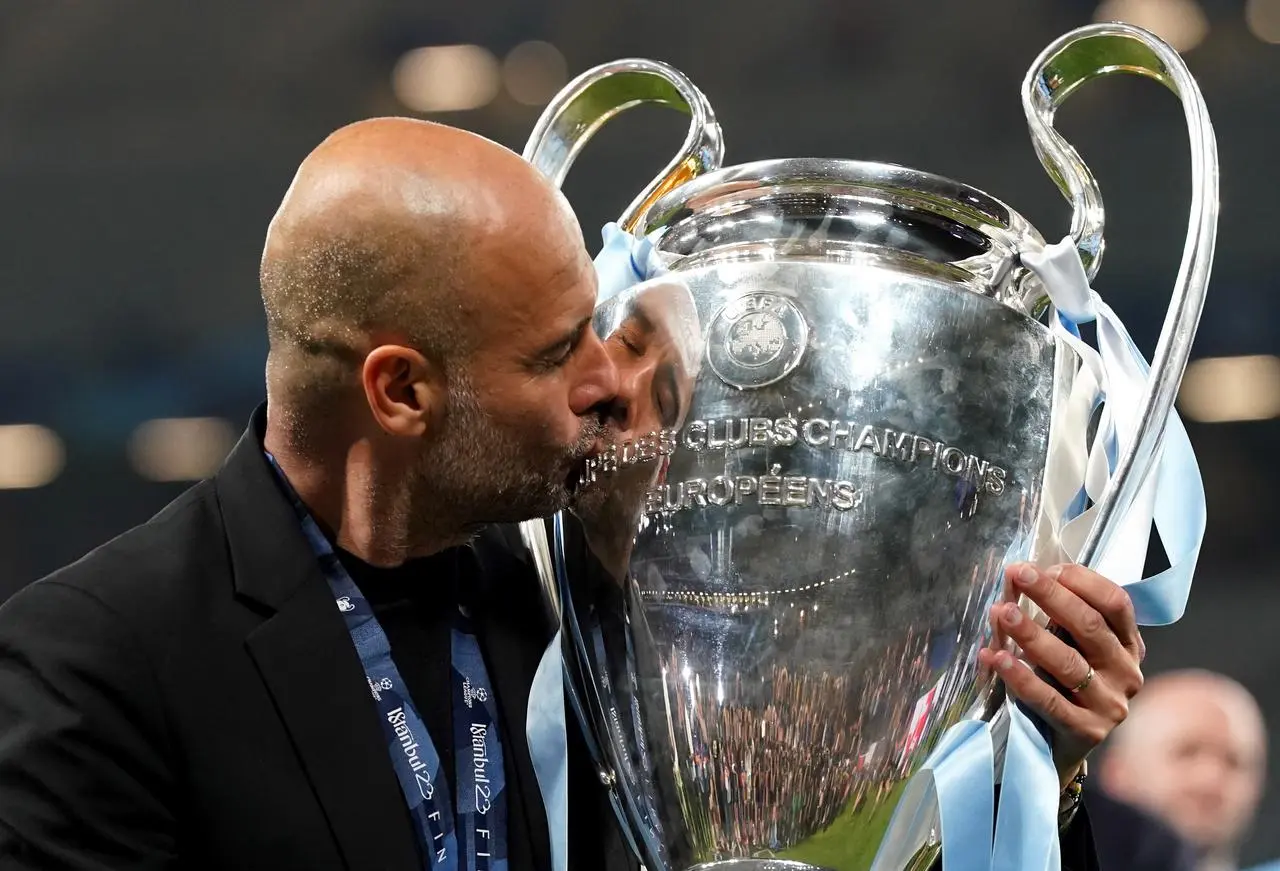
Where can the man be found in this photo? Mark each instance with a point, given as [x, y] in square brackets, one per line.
[189, 696]
[1193, 754]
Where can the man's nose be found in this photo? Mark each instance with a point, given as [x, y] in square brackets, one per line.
[632, 408]
[597, 382]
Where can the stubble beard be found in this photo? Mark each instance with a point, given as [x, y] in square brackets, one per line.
[481, 471]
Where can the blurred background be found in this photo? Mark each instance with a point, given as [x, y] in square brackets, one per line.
[144, 146]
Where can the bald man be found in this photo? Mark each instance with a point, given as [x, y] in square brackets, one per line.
[322, 657]
[1193, 754]
[188, 696]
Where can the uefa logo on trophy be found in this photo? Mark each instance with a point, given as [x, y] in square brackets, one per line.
[774, 584]
[756, 339]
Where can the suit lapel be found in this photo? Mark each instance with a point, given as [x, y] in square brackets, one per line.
[309, 665]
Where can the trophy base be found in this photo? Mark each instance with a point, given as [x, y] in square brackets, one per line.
[923, 859]
[757, 865]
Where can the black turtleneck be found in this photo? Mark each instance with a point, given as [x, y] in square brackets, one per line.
[415, 604]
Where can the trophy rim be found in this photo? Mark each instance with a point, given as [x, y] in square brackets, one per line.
[847, 172]
[996, 271]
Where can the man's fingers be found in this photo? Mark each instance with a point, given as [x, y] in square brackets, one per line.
[1108, 599]
[1086, 625]
[1043, 649]
[1025, 685]
[1000, 641]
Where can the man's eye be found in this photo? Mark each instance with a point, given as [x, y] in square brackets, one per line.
[666, 395]
[628, 341]
[560, 355]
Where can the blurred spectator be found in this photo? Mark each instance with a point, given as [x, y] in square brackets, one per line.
[1193, 754]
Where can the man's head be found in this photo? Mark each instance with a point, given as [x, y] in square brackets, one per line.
[654, 337]
[657, 350]
[1192, 752]
[429, 299]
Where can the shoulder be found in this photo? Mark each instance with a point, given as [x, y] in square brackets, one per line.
[85, 722]
[137, 575]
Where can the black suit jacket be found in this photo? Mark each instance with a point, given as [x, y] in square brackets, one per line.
[187, 696]
[1129, 839]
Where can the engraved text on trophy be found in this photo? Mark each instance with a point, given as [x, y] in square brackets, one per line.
[777, 487]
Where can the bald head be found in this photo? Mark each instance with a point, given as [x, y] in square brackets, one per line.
[395, 230]
[433, 366]
[1193, 752]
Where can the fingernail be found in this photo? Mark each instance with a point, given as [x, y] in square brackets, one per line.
[1053, 572]
[1005, 662]
[1026, 576]
[1012, 615]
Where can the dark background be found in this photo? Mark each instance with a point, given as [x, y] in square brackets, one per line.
[144, 146]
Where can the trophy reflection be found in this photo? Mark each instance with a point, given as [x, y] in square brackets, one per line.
[838, 406]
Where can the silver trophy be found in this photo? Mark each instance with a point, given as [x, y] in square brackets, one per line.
[839, 405]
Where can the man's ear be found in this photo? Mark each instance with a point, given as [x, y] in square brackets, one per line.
[402, 388]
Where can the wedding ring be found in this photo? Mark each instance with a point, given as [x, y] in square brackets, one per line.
[1088, 679]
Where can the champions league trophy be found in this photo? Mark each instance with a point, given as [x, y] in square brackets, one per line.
[852, 396]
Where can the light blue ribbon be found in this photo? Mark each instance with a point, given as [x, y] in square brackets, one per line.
[625, 260]
[548, 748]
[964, 756]
[1027, 819]
[1179, 516]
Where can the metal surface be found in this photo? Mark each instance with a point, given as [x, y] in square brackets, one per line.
[775, 595]
[1068, 63]
[589, 101]
[775, 581]
[848, 211]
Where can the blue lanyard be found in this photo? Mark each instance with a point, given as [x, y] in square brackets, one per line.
[479, 822]
[477, 749]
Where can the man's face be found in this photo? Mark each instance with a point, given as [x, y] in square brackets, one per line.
[655, 349]
[1199, 767]
[529, 405]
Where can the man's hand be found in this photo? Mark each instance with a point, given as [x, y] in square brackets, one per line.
[1099, 678]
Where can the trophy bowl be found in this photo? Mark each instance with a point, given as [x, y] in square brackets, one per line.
[841, 398]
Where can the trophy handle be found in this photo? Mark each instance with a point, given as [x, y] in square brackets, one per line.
[601, 93]
[1088, 53]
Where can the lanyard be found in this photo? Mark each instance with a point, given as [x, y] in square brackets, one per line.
[471, 836]
[638, 770]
